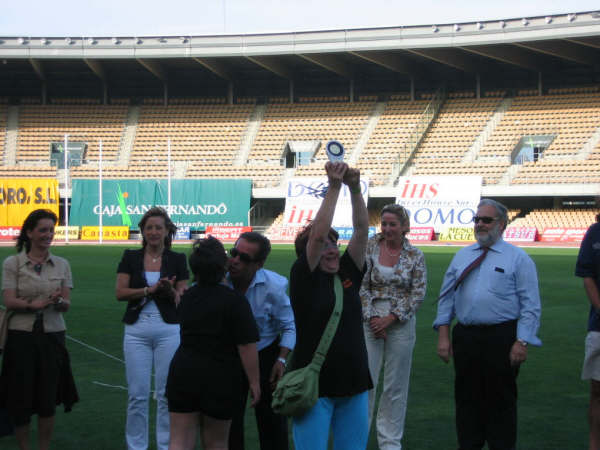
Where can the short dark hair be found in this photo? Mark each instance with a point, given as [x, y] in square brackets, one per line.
[264, 244]
[302, 238]
[29, 225]
[208, 260]
[157, 211]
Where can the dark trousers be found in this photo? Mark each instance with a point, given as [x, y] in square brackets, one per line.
[272, 428]
[485, 387]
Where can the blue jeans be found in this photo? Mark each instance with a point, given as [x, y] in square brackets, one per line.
[149, 341]
[347, 417]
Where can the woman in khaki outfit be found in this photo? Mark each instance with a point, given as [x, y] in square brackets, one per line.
[36, 373]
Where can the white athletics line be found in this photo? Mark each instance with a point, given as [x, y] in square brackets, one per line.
[96, 349]
[110, 385]
[109, 356]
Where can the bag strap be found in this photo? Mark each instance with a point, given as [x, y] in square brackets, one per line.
[330, 328]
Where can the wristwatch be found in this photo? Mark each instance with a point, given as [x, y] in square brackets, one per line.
[522, 342]
[282, 361]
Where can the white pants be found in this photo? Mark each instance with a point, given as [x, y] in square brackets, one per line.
[395, 353]
[149, 341]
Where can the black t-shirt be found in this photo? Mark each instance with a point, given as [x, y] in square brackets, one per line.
[214, 320]
[588, 266]
[345, 371]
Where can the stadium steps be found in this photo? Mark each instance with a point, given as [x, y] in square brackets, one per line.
[589, 146]
[405, 158]
[510, 174]
[12, 132]
[374, 117]
[254, 122]
[489, 128]
[128, 136]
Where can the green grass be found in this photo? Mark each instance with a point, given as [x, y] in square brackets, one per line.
[552, 398]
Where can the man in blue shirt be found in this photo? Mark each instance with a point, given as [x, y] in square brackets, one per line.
[497, 305]
[588, 268]
[266, 293]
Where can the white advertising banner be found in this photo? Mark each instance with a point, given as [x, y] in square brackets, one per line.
[304, 196]
[440, 201]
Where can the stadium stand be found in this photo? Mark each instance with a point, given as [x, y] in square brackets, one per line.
[387, 140]
[29, 172]
[451, 136]
[543, 218]
[321, 121]
[205, 133]
[3, 119]
[40, 125]
[206, 136]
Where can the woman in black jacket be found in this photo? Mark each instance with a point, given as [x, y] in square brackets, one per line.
[150, 280]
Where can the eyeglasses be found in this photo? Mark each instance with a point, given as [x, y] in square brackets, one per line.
[244, 257]
[486, 220]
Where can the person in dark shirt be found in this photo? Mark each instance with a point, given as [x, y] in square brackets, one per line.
[344, 379]
[588, 268]
[218, 344]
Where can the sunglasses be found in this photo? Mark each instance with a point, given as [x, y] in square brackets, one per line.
[484, 219]
[244, 257]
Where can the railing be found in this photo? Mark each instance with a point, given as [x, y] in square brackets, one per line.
[417, 133]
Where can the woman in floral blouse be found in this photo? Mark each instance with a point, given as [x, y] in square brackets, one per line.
[392, 290]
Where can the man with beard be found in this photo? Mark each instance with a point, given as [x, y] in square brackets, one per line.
[492, 289]
[266, 293]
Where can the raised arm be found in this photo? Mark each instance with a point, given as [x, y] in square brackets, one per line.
[322, 222]
[360, 218]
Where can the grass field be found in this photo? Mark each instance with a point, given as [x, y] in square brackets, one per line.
[552, 398]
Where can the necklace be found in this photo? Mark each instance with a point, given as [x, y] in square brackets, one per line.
[390, 253]
[37, 264]
[154, 258]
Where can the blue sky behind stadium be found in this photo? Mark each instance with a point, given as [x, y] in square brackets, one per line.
[175, 17]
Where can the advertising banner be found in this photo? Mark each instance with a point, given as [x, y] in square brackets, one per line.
[559, 234]
[346, 232]
[59, 233]
[227, 233]
[9, 233]
[20, 196]
[439, 201]
[520, 234]
[420, 234]
[182, 234]
[283, 233]
[304, 197]
[108, 233]
[454, 234]
[194, 203]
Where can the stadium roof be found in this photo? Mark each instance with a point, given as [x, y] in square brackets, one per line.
[553, 49]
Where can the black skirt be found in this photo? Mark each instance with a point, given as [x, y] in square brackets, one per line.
[36, 375]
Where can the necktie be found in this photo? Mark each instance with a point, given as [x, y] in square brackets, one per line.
[467, 270]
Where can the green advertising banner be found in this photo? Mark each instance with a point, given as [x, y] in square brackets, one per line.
[194, 203]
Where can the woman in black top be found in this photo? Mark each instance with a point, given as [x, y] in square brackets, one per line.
[344, 378]
[150, 280]
[218, 339]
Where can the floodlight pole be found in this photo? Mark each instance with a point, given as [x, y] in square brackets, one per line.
[100, 193]
[66, 169]
[169, 176]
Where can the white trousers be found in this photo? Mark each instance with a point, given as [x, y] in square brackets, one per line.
[148, 342]
[395, 353]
